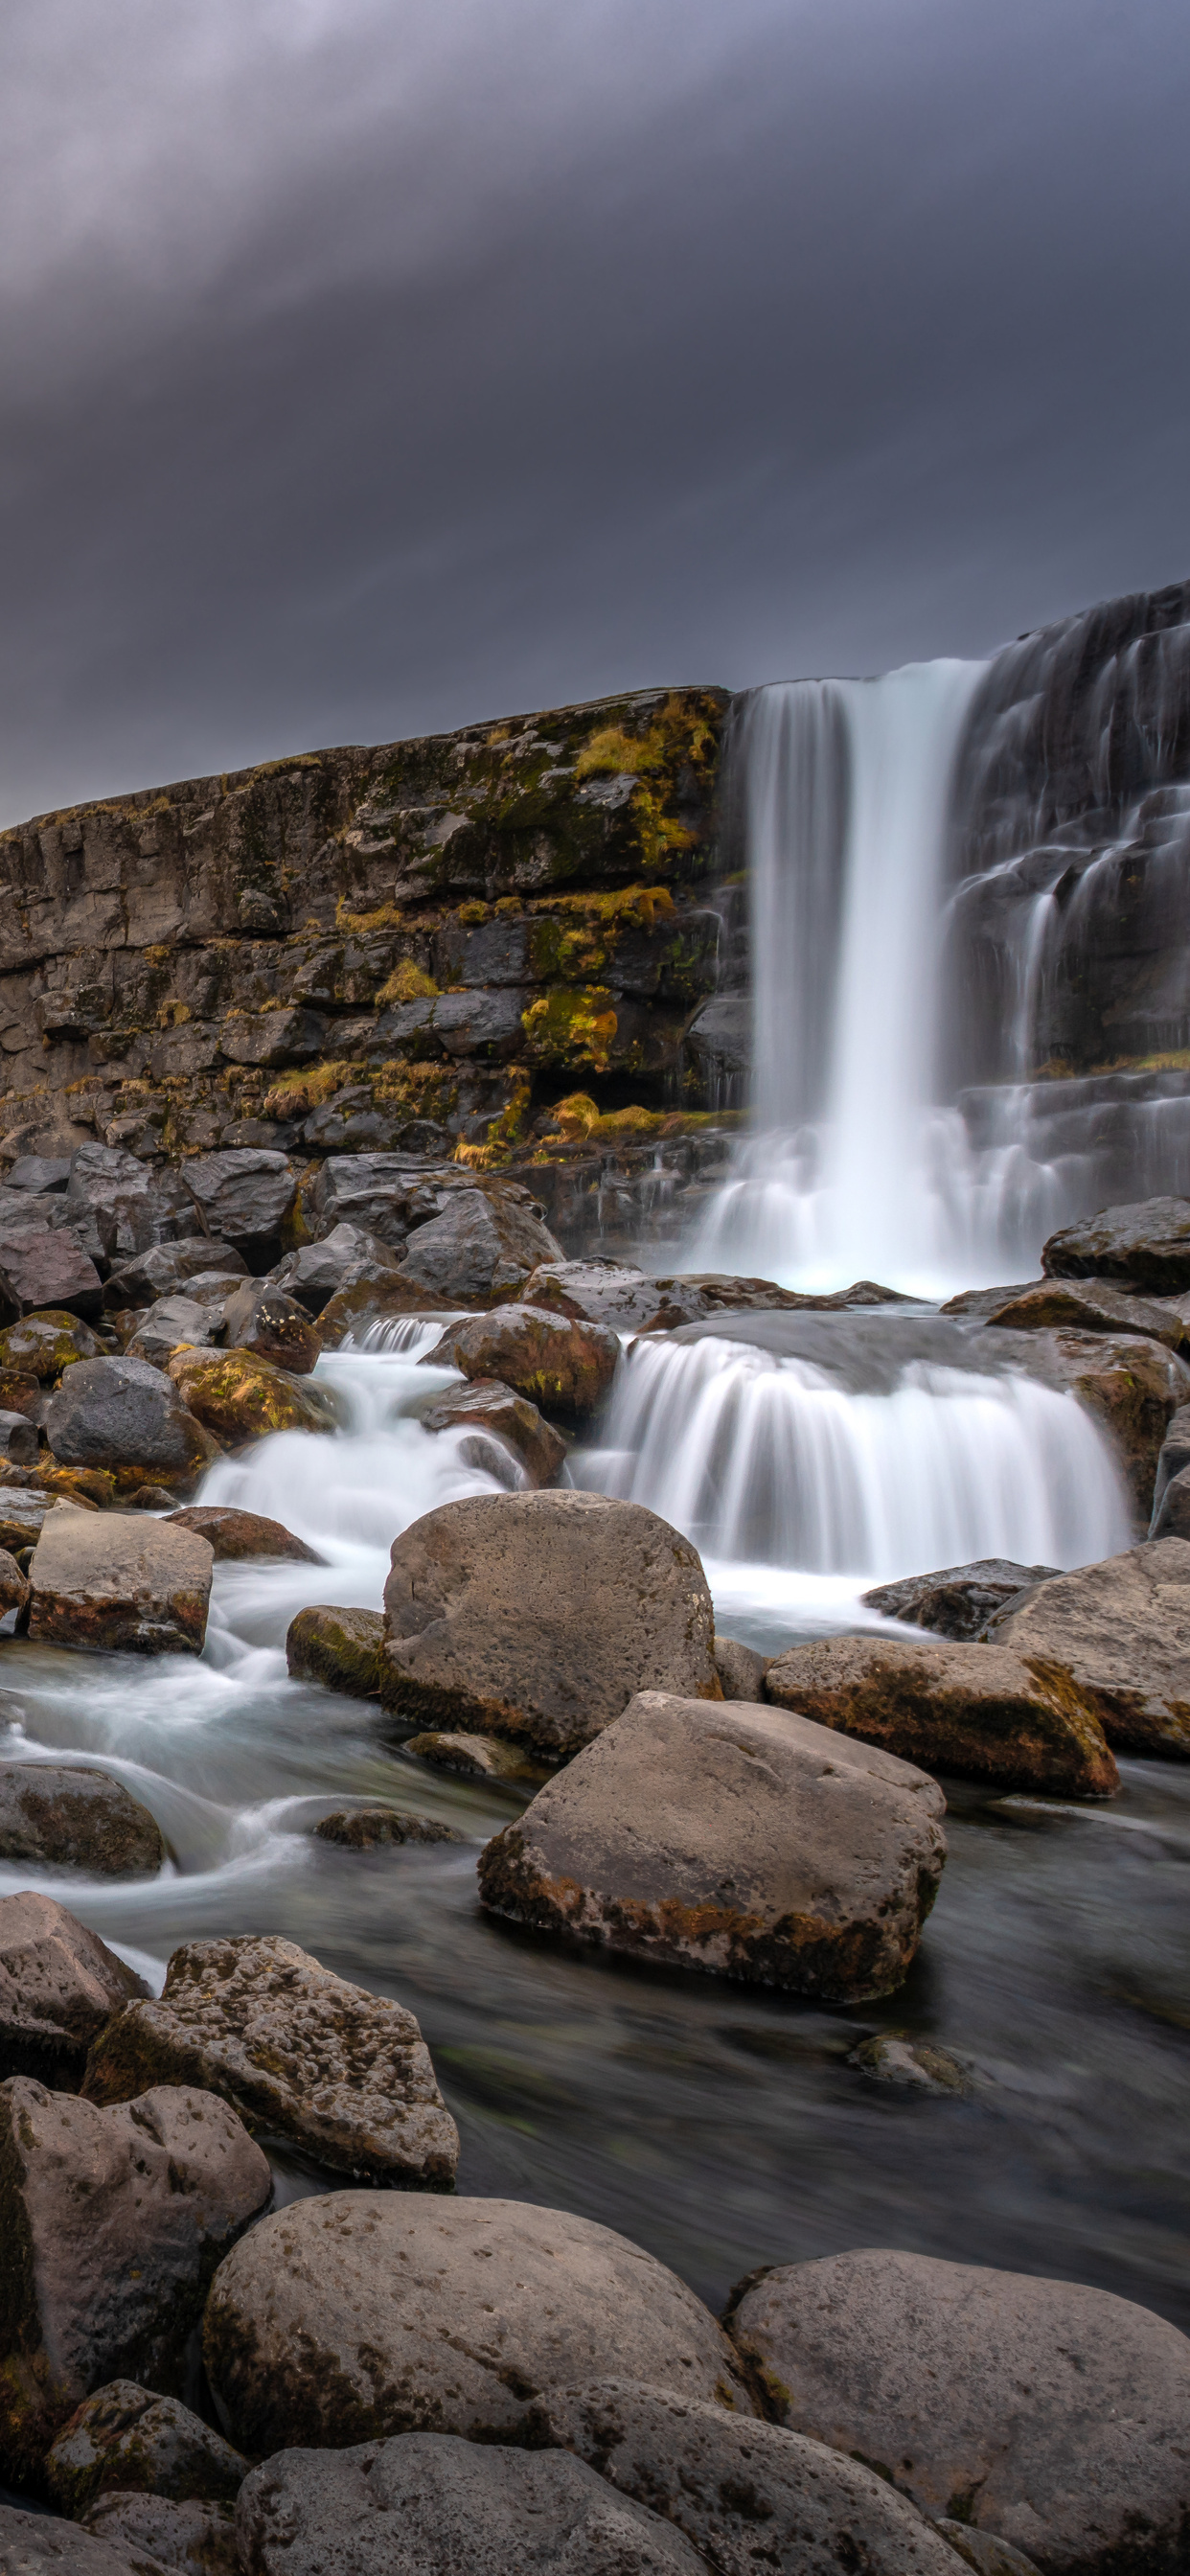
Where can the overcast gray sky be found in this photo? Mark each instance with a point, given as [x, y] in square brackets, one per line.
[373, 365]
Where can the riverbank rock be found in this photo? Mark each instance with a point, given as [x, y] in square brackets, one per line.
[738, 1840]
[344, 2074]
[1121, 1631]
[235, 1537]
[245, 1197]
[1089, 1306]
[38, 2544]
[113, 2221]
[259, 1317]
[563, 1366]
[342, 1649]
[374, 1828]
[537, 1616]
[958, 1601]
[193, 2538]
[482, 1243]
[737, 2487]
[488, 1407]
[1145, 1245]
[361, 2315]
[59, 1984]
[63, 1818]
[345, 1257]
[239, 1397]
[170, 1325]
[128, 2438]
[111, 1582]
[165, 1269]
[125, 1413]
[741, 1670]
[976, 1709]
[474, 1757]
[1049, 2414]
[47, 1343]
[39, 1268]
[428, 2504]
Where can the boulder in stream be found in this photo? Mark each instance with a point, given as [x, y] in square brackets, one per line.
[342, 1649]
[958, 1600]
[979, 1710]
[59, 1984]
[234, 1536]
[1089, 1306]
[61, 1817]
[1120, 1633]
[563, 1366]
[1051, 2415]
[537, 1616]
[1145, 1245]
[612, 1293]
[1133, 1386]
[125, 1413]
[1175, 1455]
[115, 1582]
[136, 2441]
[363, 2314]
[486, 1406]
[343, 2074]
[375, 1828]
[737, 1840]
[240, 1397]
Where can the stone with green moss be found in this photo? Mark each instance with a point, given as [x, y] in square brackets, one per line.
[339, 1648]
[239, 1397]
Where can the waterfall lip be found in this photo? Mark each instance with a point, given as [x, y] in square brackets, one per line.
[869, 1351]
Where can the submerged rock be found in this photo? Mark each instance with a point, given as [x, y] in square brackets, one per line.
[1047, 2413]
[537, 1616]
[1145, 1245]
[59, 1984]
[1121, 1631]
[736, 1840]
[912, 2065]
[234, 1536]
[372, 1828]
[561, 1365]
[60, 1817]
[342, 1649]
[107, 1581]
[958, 1601]
[239, 1396]
[974, 1709]
[361, 2314]
[488, 1406]
[476, 1757]
[129, 2438]
[612, 1293]
[260, 1317]
[344, 2074]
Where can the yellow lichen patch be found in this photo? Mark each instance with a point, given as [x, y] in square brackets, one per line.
[471, 914]
[572, 1027]
[408, 982]
[387, 916]
[296, 1095]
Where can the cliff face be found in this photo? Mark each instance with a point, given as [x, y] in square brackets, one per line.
[362, 947]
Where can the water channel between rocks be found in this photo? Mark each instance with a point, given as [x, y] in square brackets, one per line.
[719, 2127]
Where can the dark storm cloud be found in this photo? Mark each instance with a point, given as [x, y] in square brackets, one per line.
[375, 364]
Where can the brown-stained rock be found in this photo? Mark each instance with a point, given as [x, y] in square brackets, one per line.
[1120, 1633]
[20, 1392]
[741, 1670]
[735, 1840]
[114, 1413]
[1132, 1386]
[240, 1397]
[344, 2074]
[1050, 2414]
[110, 1581]
[39, 1269]
[38, 2544]
[44, 1344]
[234, 1536]
[562, 1365]
[958, 1600]
[342, 1649]
[129, 2438]
[1089, 1306]
[537, 1616]
[975, 1709]
[91, 1488]
[261, 1318]
[364, 2314]
[59, 1984]
[911, 2065]
[373, 1828]
[750, 2496]
[14, 1588]
[1145, 1246]
[474, 1757]
[195, 2536]
[59, 1816]
[113, 2223]
[489, 1407]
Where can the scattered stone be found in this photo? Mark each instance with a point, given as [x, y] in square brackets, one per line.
[735, 1840]
[261, 1318]
[373, 1828]
[37, 2544]
[481, 1244]
[537, 1449]
[113, 2221]
[59, 1984]
[741, 1670]
[345, 1256]
[166, 1269]
[234, 1536]
[913, 2065]
[245, 1198]
[978, 1710]
[118, 1584]
[173, 1323]
[1089, 1306]
[342, 1649]
[239, 1397]
[60, 1816]
[612, 1293]
[44, 1344]
[747, 2495]
[116, 1206]
[23, 1515]
[41, 1174]
[126, 2437]
[1172, 1516]
[1145, 1245]
[39, 1269]
[563, 1366]
[1120, 1632]
[538, 1615]
[958, 1601]
[344, 2074]
[474, 1757]
[21, 1394]
[194, 2537]
[126, 1413]
[1047, 2413]
[18, 1439]
[1175, 1455]
[14, 1586]
[362, 2314]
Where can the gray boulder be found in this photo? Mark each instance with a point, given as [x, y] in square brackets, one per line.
[244, 1197]
[343, 2074]
[1054, 2416]
[119, 1583]
[164, 1270]
[428, 2504]
[741, 1670]
[537, 1616]
[127, 2437]
[482, 1242]
[39, 1269]
[41, 1174]
[1145, 1245]
[38, 2544]
[195, 2537]
[474, 1757]
[289, 1035]
[978, 1710]
[375, 1828]
[958, 1601]
[384, 1194]
[495, 1414]
[259, 1317]
[114, 2221]
[345, 1256]
[19, 1443]
[363, 2314]
[117, 1206]
[59, 1817]
[59, 1984]
[736, 1840]
[124, 1413]
[172, 1321]
[1121, 1632]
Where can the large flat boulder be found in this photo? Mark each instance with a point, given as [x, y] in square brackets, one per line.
[343, 2074]
[737, 1840]
[975, 1709]
[1145, 1245]
[537, 1616]
[493, 1414]
[62, 1817]
[121, 1413]
[428, 2504]
[240, 1397]
[59, 1984]
[1121, 1632]
[958, 1600]
[39, 1268]
[129, 2438]
[364, 2314]
[245, 1197]
[113, 2223]
[1054, 2416]
[119, 1582]
[481, 1244]
[563, 1366]
[39, 2544]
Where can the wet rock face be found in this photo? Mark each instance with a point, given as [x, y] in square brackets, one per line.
[920, 2366]
[1121, 1630]
[115, 2221]
[958, 1601]
[474, 1757]
[1171, 1519]
[487, 1406]
[362, 2315]
[1133, 1387]
[1174, 1457]
[59, 1984]
[126, 2437]
[739, 1841]
[342, 1649]
[1144, 1247]
[38, 2544]
[562, 1365]
[237, 1396]
[537, 1616]
[58, 1818]
[113, 1582]
[14, 1590]
[428, 2503]
[975, 1709]
[234, 1536]
[124, 1413]
[344, 2074]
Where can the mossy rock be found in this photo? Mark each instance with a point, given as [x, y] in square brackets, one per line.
[45, 1343]
[339, 1648]
[240, 1397]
